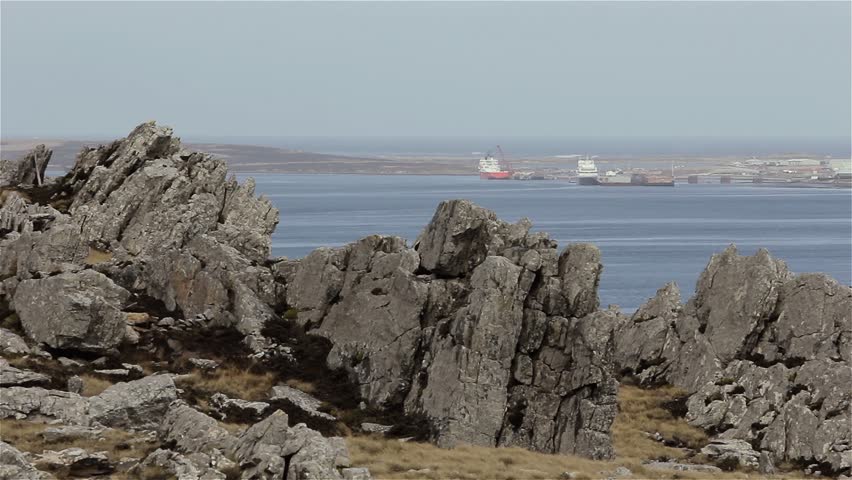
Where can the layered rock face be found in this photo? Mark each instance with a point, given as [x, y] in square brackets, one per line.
[482, 327]
[157, 220]
[764, 354]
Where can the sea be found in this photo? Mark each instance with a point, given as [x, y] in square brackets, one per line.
[648, 236]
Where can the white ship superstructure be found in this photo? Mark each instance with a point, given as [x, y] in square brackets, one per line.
[587, 172]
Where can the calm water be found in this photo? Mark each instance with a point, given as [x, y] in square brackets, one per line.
[648, 236]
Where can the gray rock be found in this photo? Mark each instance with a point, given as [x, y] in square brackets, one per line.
[262, 449]
[739, 450]
[375, 428]
[33, 402]
[192, 431]
[15, 466]
[307, 405]
[766, 465]
[751, 337]
[69, 363]
[114, 372]
[139, 404]
[237, 407]
[75, 384]
[358, 474]
[73, 310]
[68, 433]
[204, 364]
[75, 462]
[12, 343]
[683, 467]
[177, 465]
[11, 376]
[27, 171]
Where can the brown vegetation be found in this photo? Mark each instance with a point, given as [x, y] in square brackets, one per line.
[96, 256]
[93, 385]
[233, 382]
[26, 437]
[640, 411]
[643, 412]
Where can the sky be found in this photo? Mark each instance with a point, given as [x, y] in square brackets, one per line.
[597, 69]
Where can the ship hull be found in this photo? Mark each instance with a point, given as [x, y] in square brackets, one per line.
[587, 181]
[495, 175]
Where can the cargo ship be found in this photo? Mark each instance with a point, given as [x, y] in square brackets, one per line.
[587, 172]
[620, 179]
[492, 169]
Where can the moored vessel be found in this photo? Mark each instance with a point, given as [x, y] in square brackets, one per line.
[587, 172]
[490, 168]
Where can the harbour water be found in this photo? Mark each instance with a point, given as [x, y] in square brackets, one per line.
[648, 236]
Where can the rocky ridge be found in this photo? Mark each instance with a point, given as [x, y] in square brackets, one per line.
[480, 333]
[763, 353]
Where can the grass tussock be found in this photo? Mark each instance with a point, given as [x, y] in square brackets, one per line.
[93, 385]
[26, 437]
[302, 385]
[644, 410]
[96, 256]
[233, 382]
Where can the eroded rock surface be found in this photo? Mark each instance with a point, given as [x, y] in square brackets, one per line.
[765, 355]
[483, 328]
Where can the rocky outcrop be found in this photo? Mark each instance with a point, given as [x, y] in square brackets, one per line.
[15, 466]
[764, 354]
[75, 310]
[162, 222]
[139, 404]
[271, 449]
[482, 327]
[29, 170]
[11, 376]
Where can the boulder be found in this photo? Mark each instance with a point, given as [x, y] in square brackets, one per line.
[237, 408]
[683, 467]
[12, 344]
[34, 402]
[139, 404]
[15, 466]
[176, 466]
[75, 462]
[302, 405]
[68, 433]
[11, 376]
[272, 449]
[739, 451]
[80, 310]
[191, 431]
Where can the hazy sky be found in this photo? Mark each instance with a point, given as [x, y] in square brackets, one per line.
[574, 69]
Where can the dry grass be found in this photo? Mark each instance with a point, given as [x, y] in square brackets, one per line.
[233, 382]
[93, 385]
[302, 385]
[642, 411]
[26, 436]
[96, 256]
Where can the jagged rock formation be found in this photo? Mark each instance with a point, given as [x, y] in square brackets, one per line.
[482, 332]
[764, 354]
[169, 224]
[29, 170]
[482, 327]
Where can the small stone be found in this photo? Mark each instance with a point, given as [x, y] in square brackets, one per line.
[69, 363]
[765, 464]
[114, 372]
[75, 384]
[375, 428]
[133, 369]
[166, 322]
[69, 433]
[100, 361]
[362, 473]
[204, 364]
